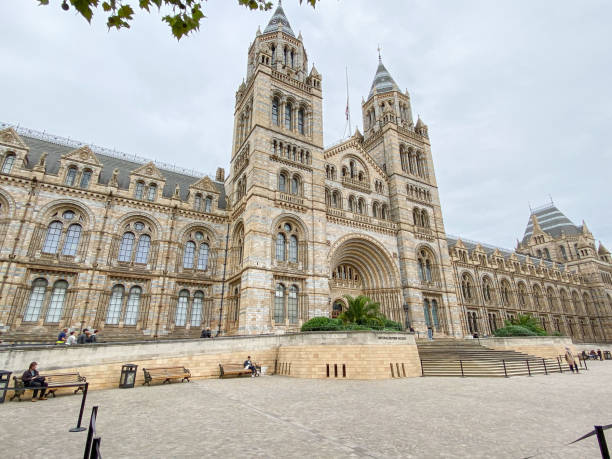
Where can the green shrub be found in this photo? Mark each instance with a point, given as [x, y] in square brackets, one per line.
[514, 330]
[529, 322]
[392, 325]
[322, 324]
[352, 327]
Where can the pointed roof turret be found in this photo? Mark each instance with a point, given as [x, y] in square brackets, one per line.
[383, 82]
[279, 21]
[552, 221]
[585, 229]
[602, 250]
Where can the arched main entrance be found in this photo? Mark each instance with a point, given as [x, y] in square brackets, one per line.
[361, 266]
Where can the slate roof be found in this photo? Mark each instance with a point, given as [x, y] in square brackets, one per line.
[56, 150]
[489, 249]
[552, 221]
[383, 82]
[277, 19]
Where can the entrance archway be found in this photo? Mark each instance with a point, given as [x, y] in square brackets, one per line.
[362, 266]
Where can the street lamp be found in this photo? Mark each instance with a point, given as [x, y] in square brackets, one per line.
[128, 376]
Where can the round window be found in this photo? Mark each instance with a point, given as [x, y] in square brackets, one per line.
[68, 215]
[199, 236]
[287, 227]
[139, 226]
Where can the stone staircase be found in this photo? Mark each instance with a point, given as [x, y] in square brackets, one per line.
[456, 357]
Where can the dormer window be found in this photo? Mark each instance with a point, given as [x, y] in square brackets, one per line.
[71, 176]
[139, 191]
[7, 165]
[85, 178]
[152, 192]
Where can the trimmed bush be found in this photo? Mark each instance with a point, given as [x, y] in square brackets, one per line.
[514, 330]
[392, 325]
[322, 324]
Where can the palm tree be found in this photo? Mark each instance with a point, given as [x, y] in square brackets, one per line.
[360, 310]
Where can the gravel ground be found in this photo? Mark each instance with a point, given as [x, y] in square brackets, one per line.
[275, 416]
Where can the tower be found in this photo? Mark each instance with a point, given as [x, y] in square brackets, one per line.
[402, 149]
[276, 188]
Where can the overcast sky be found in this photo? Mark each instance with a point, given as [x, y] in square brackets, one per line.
[516, 94]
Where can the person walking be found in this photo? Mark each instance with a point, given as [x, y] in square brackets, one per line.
[31, 378]
[570, 359]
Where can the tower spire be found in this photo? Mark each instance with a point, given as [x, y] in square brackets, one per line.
[279, 22]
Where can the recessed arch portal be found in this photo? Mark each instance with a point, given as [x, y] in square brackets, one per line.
[362, 266]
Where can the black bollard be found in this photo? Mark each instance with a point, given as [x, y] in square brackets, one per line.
[603, 446]
[78, 427]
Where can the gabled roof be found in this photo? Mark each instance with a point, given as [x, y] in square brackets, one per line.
[109, 163]
[279, 20]
[552, 221]
[383, 82]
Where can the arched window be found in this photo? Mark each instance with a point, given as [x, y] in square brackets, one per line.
[539, 253]
[142, 251]
[279, 304]
[282, 183]
[52, 239]
[505, 293]
[56, 305]
[71, 176]
[547, 254]
[114, 305]
[133, 304]
[208, 204]
[288, 116]
[197, 202]
[7, 165]
[434, 314]
[360, 206]
[486, 289]
[203, 257]
[293, 249]
[522, 294]
[36, 300]
[85, 178]
[551, 298]
[351, 203]
[275, 104]
[336, 199]
[127, 244]
[292, 304]
[181, 308]
[196, 308]
[280, 247]
[73, 235]
[563, 253]
[152, 192]
[295, 185]
[466, 287]
[384, 213]
[537, 296]
[189, 255]
[375, 210]
[427, 269]
[139, 191]
[301, 121]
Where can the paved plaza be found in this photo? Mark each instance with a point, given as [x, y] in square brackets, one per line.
[275, 416]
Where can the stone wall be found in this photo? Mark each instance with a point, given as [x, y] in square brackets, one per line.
[366, 355]
[540, 346]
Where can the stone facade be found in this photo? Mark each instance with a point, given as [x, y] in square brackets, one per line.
[137, 249]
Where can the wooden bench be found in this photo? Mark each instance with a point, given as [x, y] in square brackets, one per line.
[55, 380]
[165, 374]
[236, 369]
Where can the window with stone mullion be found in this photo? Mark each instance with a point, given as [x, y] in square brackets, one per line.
[36, 300]
[132, 306]
[56, 305]
[196, 309]
[181, 308]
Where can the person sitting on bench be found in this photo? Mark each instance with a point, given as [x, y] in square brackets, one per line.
[31, 378]
[248, 365]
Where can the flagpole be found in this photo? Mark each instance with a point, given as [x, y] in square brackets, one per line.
[348, 111]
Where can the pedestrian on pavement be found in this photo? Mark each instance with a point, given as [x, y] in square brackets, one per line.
[570, 359]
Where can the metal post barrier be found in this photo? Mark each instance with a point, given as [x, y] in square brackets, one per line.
[422, 370]
[603, 446]
[78, 427]
[505, 371]
[559, 362]
[528, 369]
[545, 370]
[461, 364]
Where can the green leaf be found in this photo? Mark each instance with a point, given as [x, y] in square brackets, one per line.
[83, 7]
